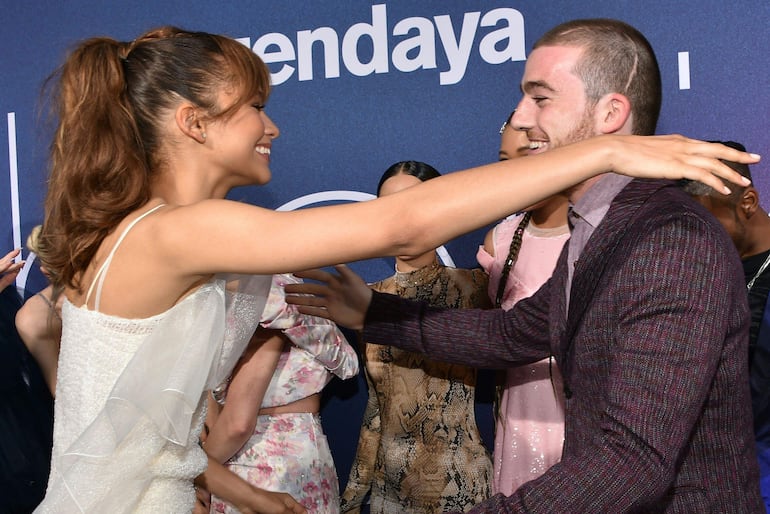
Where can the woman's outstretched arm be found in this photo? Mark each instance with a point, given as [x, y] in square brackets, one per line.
[424, 216]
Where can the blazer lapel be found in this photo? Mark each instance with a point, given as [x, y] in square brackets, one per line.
[597, 253]
[558, 311]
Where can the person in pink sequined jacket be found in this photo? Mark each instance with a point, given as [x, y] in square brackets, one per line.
[268, 430]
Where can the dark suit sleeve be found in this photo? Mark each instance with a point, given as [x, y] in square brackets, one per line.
[472, 337]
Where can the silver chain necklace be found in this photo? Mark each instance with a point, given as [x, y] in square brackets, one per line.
[761, 269]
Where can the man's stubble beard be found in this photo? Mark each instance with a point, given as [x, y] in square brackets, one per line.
[581, 132]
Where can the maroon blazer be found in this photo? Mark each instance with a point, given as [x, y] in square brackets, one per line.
[654, 355]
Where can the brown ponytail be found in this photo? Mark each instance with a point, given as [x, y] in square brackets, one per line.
[98, 169]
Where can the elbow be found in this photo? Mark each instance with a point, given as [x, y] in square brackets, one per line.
[412, 237]
[240, 429]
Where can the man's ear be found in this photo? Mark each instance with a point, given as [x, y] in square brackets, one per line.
[613, 113]
[749, 203]
[189, 122]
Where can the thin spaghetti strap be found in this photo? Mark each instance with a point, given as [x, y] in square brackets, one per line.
[50, 304]
[103, 269]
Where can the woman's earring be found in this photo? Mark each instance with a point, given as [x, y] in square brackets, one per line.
[203, 135]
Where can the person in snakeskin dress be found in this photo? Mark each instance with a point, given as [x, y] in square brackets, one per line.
[420, 450]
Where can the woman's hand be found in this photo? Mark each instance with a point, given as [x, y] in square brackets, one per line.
[269, 502]
[9, 269]
[248, 499]
[202, 501]
[343, 297]
[674, 157]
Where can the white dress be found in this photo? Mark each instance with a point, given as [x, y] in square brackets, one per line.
[130, 396]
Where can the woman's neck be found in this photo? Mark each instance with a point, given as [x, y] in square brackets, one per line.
[551, 214]
[186, 183]
[407, 264]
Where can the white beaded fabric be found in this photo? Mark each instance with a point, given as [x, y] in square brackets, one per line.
[130, 399]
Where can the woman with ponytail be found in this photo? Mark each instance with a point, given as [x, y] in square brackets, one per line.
[151, 136]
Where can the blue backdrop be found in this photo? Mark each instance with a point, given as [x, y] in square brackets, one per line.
[360, 85]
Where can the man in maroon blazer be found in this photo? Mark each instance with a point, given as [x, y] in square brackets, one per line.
[646, 312]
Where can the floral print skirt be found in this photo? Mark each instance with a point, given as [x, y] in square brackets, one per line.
[288, 453]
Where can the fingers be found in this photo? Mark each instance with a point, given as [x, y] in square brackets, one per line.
[313, 274]
[296, 293]
[719, 169]
[711, 172]
[319, 312]
[707, 149]
[347, 275]
[306, 300]
[345, 271]
[306, 288]
[692, 159]
[6, 263]
[300, 294]
[707, 158]
[726, 153]
[15, 267]
[294, 506]
[311, 305]
[9, 270]
[10, 255]
[202, 501]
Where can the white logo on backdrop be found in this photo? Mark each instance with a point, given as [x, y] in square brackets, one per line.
[414, 45]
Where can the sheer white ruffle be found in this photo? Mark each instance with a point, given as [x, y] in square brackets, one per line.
[141, 443]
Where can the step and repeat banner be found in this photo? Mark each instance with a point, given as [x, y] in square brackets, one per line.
[360, 85]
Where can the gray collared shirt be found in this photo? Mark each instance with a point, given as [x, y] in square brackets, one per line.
[586, 215]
